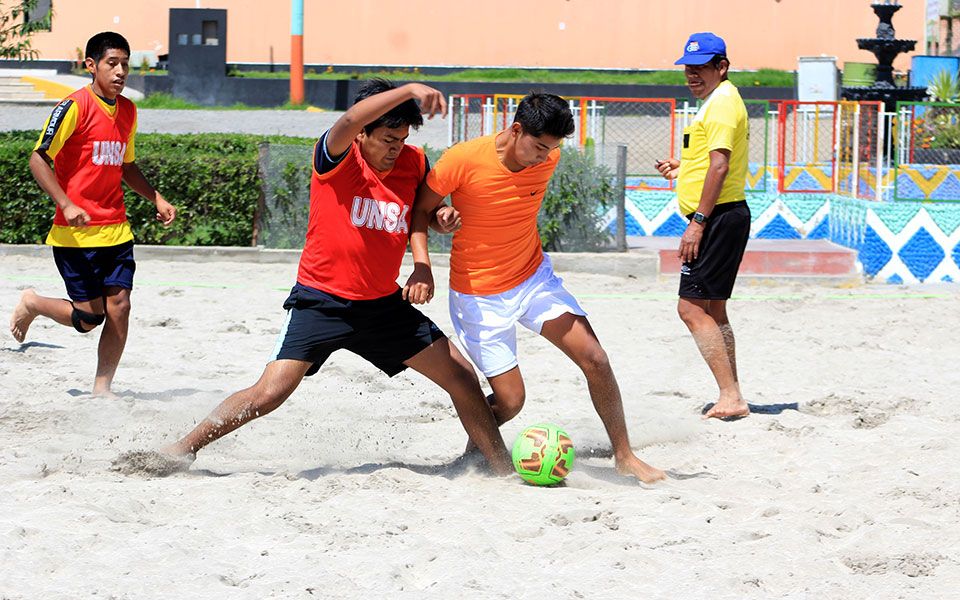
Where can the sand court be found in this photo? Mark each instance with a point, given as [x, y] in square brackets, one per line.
[841, 485]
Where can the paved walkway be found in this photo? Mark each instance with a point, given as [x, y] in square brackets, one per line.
[262, 122]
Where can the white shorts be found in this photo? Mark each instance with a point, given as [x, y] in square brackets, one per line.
[486, 325]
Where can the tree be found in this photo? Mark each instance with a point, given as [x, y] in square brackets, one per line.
[17, 24]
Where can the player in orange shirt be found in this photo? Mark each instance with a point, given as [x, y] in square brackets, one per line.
[499, 274]
[89, 137]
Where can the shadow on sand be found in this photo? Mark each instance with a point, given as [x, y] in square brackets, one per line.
[134, 395]
[456, 468]
[610, 474]
[22, 349]
[757, 409]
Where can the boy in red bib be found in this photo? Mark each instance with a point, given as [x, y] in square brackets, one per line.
[89, 137]
[362, 190]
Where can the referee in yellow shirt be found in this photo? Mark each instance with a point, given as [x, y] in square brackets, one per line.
[711, 176]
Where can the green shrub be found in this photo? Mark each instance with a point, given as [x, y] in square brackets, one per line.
[577, 197]
[215, 182]
[25, 211]
[212, 179]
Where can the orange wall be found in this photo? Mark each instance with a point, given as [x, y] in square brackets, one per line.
[647, 34]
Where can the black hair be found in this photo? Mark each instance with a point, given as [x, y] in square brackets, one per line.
[715, 61]
[405, 113]
[98, 45]
[549, 114]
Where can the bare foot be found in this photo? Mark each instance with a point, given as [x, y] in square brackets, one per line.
[639, 469]
[728, 408]
[104, 393]
[23, 315]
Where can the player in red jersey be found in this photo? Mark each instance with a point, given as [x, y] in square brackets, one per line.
[362, 191]
[90, 139]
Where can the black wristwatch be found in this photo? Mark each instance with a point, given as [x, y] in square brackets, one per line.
[699, 217]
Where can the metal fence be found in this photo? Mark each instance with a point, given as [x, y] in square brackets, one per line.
[847, 148]
[645, 125]
[927, 150]
[805, 146]
[859, 167]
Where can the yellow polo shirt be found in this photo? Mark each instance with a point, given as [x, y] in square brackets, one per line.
[720, 124]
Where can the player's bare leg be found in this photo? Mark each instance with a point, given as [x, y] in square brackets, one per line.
[443, 364]
[113, 339]
[574, 336]
[508, 395]
[506, 400]
[718, 350]
[33, 305]
[279, 379]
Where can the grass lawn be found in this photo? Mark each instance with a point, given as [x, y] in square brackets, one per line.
[167, 101]
[763, 77]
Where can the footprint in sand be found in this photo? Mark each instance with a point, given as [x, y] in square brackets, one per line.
[911, 565]
[168, 322]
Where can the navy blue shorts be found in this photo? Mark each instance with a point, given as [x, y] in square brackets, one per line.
[384, 331]
[87, 271]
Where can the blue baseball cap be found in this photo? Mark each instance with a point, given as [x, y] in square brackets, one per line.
[700, 48]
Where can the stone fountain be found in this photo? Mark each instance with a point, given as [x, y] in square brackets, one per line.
[885, 47]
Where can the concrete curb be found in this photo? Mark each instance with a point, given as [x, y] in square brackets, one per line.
[625, 264]
[641, 264]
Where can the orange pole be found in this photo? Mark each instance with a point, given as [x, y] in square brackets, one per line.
[296, 52]
[296, 70]
[583, 122]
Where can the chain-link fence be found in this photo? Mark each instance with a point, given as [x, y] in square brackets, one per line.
[810, 147]
[471, 115]
[928, 152]
[859, 149]
[761, 146]
[805, 157]
[284, 210]
[646, 126]
[285, 207]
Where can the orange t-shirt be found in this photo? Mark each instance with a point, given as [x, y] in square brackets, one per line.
[498, 246]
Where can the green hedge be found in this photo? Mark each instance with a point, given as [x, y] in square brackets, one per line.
[212, 179]
[215, 183]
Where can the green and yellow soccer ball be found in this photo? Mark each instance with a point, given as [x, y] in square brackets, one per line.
[543, 454]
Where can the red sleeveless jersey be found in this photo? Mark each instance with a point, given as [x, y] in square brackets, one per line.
[89, 166]
[359, 225]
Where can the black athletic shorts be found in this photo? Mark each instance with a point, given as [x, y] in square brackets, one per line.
[712, 274]
[384, 331]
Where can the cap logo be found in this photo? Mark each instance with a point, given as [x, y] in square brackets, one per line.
[693, 46]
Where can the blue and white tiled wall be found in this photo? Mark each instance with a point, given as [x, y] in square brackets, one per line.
[897, 242]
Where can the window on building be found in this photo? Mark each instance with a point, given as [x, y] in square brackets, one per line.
[40, 16]
[210, 37]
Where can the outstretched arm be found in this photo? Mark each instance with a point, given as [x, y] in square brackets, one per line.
[351, 123]
[133, 177]
[419, 287]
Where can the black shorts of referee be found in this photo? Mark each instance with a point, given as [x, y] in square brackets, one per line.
[712, 274]
[385, 331]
